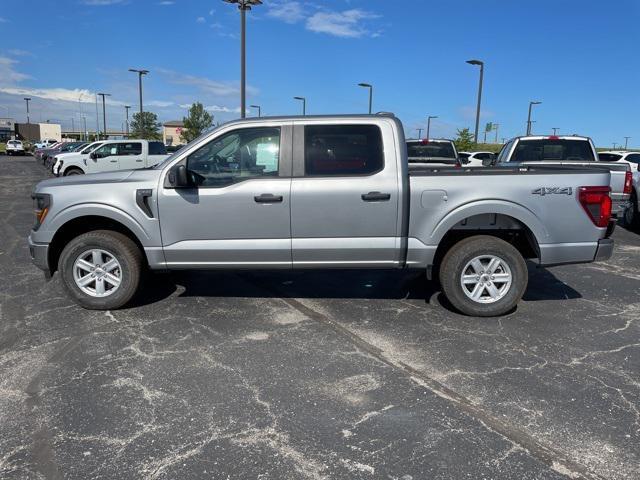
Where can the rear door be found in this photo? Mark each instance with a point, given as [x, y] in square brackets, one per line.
[344, 195]
[131, 155]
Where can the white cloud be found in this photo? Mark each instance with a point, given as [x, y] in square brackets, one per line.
[205, 85]
[346, 24]
[3, 20]
[58, 94]
[212, 11]
[166, 2]
[101, 2]
[16, 52]
[200, 20]
[288, 12]
[8, 74]
[218, 108]
[159, 103]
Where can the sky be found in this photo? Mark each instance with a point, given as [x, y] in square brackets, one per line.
[578, 57]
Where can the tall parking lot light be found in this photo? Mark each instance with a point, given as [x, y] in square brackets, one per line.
[26, 99]
[497, 125]
[126, 108]
[140, 74]
[104, 114]
[555, 130]
[481, 65]
[531, 104]
[243, 6]
[626, 142]
[429, 125]
[257, 107]
[419, 132]
[370, 87]
[304, 104]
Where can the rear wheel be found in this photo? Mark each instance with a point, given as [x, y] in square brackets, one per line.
[483, 276]
[101, 269]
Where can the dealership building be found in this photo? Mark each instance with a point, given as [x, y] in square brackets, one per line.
[172, 133]
[7, 129]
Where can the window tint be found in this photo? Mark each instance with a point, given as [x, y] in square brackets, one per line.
[546, 149]
[236, 156]
[429, 150]
[107, 150]
[130, 148]
[609, 157]
[157, 148]
[633, 158]
[342, 150]
[464, 155]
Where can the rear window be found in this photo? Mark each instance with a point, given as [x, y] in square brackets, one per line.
[157, 148]
[134, 148]
[417, 151]
[609, 157]
[546, 149]
[340, 150]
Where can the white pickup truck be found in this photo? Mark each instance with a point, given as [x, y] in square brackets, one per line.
[113, 155]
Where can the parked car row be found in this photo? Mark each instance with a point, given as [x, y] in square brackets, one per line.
[319, 192]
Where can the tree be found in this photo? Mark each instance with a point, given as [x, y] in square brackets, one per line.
[145, 125]
[196, 123]
[464, 140]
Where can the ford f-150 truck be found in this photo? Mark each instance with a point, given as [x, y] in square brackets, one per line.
[569, 150]
[319, 192]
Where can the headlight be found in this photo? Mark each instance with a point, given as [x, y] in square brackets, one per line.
[41, 205]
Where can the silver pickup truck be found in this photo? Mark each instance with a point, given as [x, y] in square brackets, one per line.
[319, 192]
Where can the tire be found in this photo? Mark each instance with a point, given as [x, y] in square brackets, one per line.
[73, 171]
[112, 246]
[495, 297]
[631, 214]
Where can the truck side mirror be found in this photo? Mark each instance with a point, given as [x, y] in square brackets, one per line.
[94, 156]
[178, 177]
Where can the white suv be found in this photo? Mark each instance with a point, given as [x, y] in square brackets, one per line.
[14, 147]
[623, 156]
[474, 159]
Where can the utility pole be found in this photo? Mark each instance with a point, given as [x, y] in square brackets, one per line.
[481, 65]
[104, 114]
[429, 125]
[243, 6]
[73, 127]
[140, 73]
[497, 125]
[626, 142]
[419, 132]
[26, 99]
[555, 131]
[370, 87]
[304, 104]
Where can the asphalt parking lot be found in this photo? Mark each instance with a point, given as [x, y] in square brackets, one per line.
[313, 375]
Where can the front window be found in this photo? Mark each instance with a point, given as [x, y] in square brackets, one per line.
[238, 155]
[107, 150]
[548, 149]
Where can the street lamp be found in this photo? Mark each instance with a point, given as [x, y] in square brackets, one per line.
[555, 130]
[531, 104]
[626, 142]
[243, 6]
[497, 125]
[126, 109]
[429, 124]
[26, 99]
[304, 104]
[481, 64]
[104, 114]
[419, 132]
[140, 74]
[258, 108]
[370, 87]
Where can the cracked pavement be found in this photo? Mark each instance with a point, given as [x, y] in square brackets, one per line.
[314, 375]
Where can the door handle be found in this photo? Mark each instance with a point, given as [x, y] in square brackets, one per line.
[139, 160]
[376, 197]
[268, 198]
[113, 161]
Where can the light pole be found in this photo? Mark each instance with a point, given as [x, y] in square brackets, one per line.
[243, 6]
[614, 145]
[258, 108]
[140, 74]
[84, 121]
[626, 142]
[104, 114]
[304, 104]
[555, 130]
[26, 99]
[429, 124]
[370, 87]
[73, 126]
[497, 125]
[481, 64]
[126, 109]
[531, 104]
[419, 132]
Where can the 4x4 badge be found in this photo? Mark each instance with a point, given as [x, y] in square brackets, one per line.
[552, 191]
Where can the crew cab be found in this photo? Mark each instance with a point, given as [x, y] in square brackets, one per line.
[569, 150]
[319, 192]
[632, 213]
[59, 159]
[14, 147]
[115, 155]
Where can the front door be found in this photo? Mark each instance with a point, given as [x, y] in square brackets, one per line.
[237, 212]
[344, 199]
[106, 159]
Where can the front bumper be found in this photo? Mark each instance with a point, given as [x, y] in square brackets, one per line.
[604, 250]
[40, 255]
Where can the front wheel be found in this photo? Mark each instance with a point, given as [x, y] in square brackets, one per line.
[73, 171]
[101, 269]
[483, 276]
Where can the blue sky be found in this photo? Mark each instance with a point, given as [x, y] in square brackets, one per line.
[577, 57]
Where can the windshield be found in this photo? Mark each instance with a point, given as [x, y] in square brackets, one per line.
[549, 149]
[427, 151]
[609, 157]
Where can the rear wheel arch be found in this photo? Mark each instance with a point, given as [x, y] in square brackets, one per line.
[85, 224]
